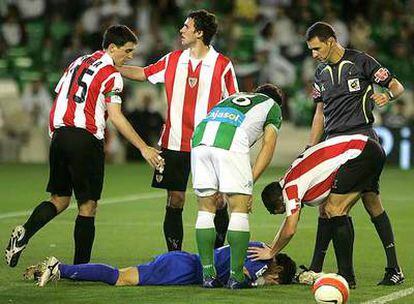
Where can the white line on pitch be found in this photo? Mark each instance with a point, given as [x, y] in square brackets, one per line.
[129, 198]
[392, 296]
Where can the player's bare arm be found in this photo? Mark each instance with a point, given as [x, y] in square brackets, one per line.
[150, 154]
[395, 90]
[286, 231]
[266, 153]
[317, 125]
[132, 72]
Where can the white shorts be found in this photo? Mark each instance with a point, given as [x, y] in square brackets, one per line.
[214, 169]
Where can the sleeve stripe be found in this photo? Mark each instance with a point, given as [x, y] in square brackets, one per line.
[155, 68]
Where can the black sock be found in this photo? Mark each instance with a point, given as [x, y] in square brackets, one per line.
[173, 228]
[40, 216]
[84, 234]
[221, 223]
[351, 223]
[343, 244]
[384, 229]
[323, 238]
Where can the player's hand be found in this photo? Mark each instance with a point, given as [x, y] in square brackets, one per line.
[381, 99]
[259, 253]
[152, 156]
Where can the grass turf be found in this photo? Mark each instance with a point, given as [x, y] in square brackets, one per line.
[129, 232]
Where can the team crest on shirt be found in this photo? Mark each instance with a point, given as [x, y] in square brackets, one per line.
[353, 85]
[192, 81]
[159, 177]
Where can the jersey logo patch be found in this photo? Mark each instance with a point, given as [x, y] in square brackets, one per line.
[227, 115]
[353, 85]
[192, 81]
[381, 75]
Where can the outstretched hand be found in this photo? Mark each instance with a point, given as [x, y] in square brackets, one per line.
[259, 253]
[152, 156]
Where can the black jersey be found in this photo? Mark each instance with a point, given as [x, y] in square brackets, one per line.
[345, 89]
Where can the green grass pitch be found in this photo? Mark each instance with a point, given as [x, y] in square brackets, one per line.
[129, 231]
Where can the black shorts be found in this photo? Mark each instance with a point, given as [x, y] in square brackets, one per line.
[76, 160]
[361, 174]
[176, 171]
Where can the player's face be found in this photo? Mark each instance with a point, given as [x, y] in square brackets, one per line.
[271, 275]
[188, 33]
[280, 206]
[321, 50]
[122, 54]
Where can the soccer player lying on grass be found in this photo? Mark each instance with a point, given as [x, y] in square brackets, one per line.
[172, 268]
[333, 172]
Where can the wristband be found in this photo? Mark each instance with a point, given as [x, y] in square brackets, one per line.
[390, 95]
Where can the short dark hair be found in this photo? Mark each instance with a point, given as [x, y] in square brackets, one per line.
[269, 196]
[206, 22]
[320, 29]
[119, 35]
[271, 91]
[289, 268]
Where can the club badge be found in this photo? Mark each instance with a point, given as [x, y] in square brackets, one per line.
[192, 81]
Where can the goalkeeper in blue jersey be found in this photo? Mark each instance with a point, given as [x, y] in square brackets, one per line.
[172, 268]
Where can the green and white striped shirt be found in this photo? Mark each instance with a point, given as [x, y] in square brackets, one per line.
[237, 122]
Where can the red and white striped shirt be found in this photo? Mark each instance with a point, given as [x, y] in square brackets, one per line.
[311, 175]
[191, 92]
[86, 86]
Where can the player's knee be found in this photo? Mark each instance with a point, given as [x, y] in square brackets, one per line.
[128, 277]
[60, 202]
[176, 199]
[87, 208]
[372, 204]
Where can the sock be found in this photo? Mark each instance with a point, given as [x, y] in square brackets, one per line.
[351, 223]
[173, 228]
[205, 236]
[384, 229]
[89, 272]
[41, 215]
[238, 237]
[323, 238]
[343, 244]
[221, 222]
[84, 234]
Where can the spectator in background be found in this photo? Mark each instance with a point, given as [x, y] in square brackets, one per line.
[36, 101]
[31, 9]
[360, 33]
[120, 10]
[12, 28]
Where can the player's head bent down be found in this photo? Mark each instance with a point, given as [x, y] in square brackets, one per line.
[321, 40]
[273, 199]
[203, 24]
[281, 270]
[119, 42]
[271, 91]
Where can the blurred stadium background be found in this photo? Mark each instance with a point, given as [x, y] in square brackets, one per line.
[264, 39]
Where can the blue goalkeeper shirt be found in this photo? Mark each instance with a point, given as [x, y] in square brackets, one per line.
[183, 268]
